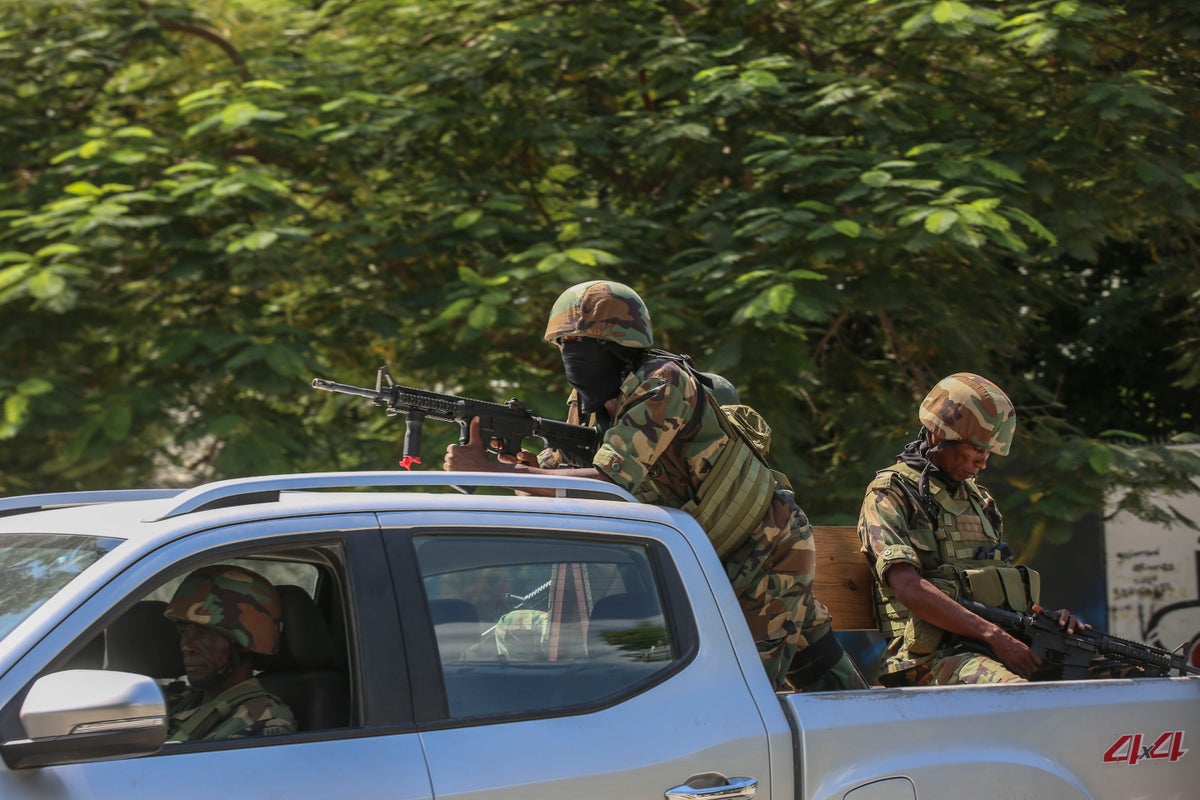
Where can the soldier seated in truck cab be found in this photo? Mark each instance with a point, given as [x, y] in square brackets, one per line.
[226, 617]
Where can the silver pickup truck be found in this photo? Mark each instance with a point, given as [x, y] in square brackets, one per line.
[462, 644]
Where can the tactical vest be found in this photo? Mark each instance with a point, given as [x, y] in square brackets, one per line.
[202, 721]
[733, 497]
[971, 566]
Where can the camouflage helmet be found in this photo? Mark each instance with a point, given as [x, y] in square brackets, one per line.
[601, 310]
[966, 407]
[239, 604]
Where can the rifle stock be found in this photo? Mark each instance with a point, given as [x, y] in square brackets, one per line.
[504, 426]
[1068, 655]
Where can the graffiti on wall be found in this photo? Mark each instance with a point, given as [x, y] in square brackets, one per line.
[1153, 577]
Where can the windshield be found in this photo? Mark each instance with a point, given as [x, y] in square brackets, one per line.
[35, 566]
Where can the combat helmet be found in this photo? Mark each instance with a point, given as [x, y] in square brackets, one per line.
[239, 604]
[969, 408]
[604, 310]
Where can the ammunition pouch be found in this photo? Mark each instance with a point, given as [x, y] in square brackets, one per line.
[1008, 587]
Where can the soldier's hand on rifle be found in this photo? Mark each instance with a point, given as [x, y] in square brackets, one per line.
[523, 457]
[926, 601]
[472, 456]
[1065, 619]
[1012, 652]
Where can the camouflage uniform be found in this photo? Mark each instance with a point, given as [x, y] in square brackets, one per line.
[521, 634]
[772, 571]
[911, 515]
[896, 529]
[655, 448]
[239, 712]
[245, 608]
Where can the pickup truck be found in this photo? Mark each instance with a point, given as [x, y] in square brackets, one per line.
[486, 643]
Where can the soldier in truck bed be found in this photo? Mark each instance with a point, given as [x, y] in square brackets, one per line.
[668, 442]
[932, 534]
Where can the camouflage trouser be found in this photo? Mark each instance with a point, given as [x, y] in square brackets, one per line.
[961, 668]
[772, 575]
[968, 667]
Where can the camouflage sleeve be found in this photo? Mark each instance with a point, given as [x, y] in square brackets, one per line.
[884, 530]
[654, 408]
[521, 634]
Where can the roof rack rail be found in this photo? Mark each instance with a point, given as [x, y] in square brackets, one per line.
[25, 504]
[266, 488]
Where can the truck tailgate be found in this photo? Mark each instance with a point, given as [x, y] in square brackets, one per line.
[1117, 739]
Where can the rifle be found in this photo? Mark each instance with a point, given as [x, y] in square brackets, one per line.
[504, 426]
[1067, 656]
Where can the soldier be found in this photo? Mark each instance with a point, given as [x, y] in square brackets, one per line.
[226, 615]
[932, 534]
[668, 443]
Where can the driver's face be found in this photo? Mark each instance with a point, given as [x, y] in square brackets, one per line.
[205, 652]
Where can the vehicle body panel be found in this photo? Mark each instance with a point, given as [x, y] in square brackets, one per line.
[372, 766]
[632, 748]
[1025, 740]
[713, 711]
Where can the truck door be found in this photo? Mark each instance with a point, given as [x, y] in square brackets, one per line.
[342, 656]
[566, 658]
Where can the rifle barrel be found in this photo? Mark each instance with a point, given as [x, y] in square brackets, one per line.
[345, 388]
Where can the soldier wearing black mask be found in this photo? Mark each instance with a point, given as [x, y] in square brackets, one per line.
[666, 436]
[595, 370]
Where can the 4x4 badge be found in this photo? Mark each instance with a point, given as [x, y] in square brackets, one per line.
[1130, 748]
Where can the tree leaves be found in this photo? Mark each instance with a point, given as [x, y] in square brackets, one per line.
[835, 204]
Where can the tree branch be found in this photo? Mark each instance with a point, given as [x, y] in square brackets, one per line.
[202, 32]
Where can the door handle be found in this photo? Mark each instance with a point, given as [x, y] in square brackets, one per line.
[713, 786]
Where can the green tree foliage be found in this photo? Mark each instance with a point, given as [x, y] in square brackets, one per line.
[832, 202]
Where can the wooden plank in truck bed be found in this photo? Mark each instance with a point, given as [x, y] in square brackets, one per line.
[843, 581]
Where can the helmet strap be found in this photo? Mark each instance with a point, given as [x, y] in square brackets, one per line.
[917, 454]
[237, 655]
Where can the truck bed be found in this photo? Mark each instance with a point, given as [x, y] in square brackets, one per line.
[1071, 739]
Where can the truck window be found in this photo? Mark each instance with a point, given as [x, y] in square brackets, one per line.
[308, 671]
[537, 625]
[35, 566]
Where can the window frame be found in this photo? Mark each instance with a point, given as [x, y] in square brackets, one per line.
[431, 705]
[351, 562]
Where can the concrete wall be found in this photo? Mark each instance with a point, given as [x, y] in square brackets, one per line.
[1153, 580]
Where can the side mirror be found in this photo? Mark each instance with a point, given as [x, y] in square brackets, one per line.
[88, 715]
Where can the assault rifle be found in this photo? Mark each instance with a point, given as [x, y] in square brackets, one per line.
[504, 426]
[1068, 655]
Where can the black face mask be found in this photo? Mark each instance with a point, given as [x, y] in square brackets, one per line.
[593, 370]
